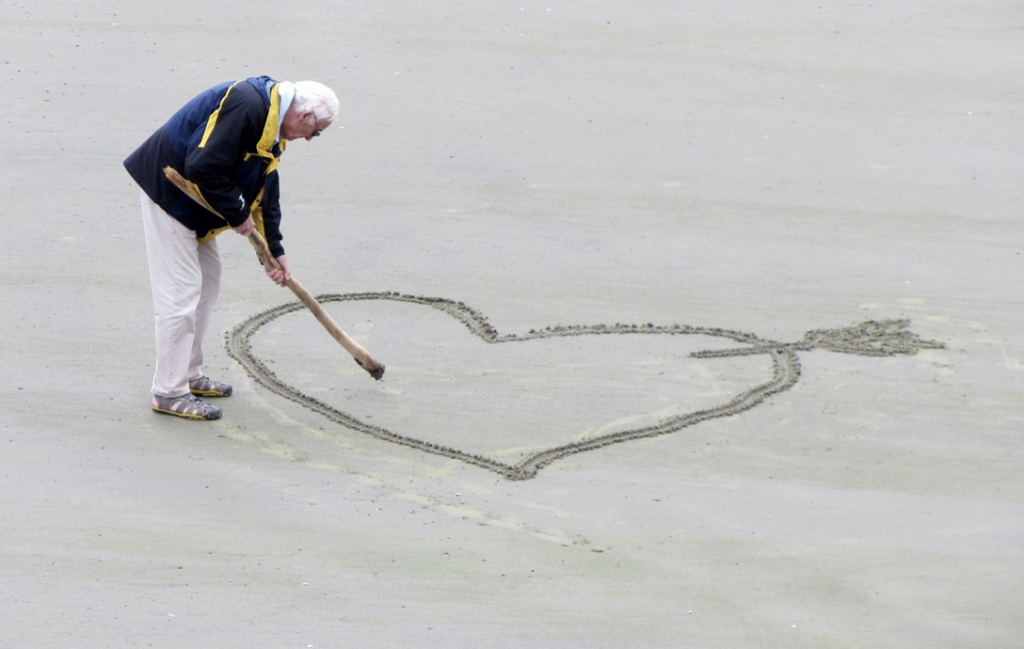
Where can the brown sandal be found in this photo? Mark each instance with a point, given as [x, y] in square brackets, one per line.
[187, 406]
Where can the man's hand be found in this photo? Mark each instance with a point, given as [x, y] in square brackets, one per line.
[246, 228]
[279, 277]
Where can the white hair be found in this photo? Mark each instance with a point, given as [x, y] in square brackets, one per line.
[315, 96]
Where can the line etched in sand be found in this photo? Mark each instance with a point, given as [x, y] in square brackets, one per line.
[869, 338]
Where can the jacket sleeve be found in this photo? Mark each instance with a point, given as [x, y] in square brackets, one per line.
[271, 205]
[210, 164]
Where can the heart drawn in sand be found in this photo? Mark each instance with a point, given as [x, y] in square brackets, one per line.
[654, 368]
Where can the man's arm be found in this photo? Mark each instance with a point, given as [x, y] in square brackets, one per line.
[270, 208]
[236, 128]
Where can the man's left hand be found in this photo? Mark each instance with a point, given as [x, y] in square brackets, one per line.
[279, 277]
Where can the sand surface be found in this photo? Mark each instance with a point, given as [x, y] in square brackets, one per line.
[608, 190]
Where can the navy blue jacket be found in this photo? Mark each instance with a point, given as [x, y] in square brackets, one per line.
[225, 142]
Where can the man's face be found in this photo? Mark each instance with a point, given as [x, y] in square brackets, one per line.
[301, 125]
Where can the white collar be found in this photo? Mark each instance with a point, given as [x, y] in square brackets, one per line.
[286, 91]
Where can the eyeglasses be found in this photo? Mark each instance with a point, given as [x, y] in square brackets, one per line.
[317, 132]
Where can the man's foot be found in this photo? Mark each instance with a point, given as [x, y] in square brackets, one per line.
[187, 406]
[204, 386]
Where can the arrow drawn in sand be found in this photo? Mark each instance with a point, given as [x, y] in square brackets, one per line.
[869, 338]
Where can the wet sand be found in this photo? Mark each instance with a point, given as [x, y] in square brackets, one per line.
[573, 234]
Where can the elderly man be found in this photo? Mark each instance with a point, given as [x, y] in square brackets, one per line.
[227, 143]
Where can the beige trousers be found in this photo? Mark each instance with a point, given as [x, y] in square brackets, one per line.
[184, 276]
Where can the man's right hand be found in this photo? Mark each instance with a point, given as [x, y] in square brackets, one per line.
[246, 228]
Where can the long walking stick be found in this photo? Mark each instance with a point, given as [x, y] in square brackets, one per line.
[361, 356]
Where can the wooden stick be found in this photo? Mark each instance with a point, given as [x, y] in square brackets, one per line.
[361, 356]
